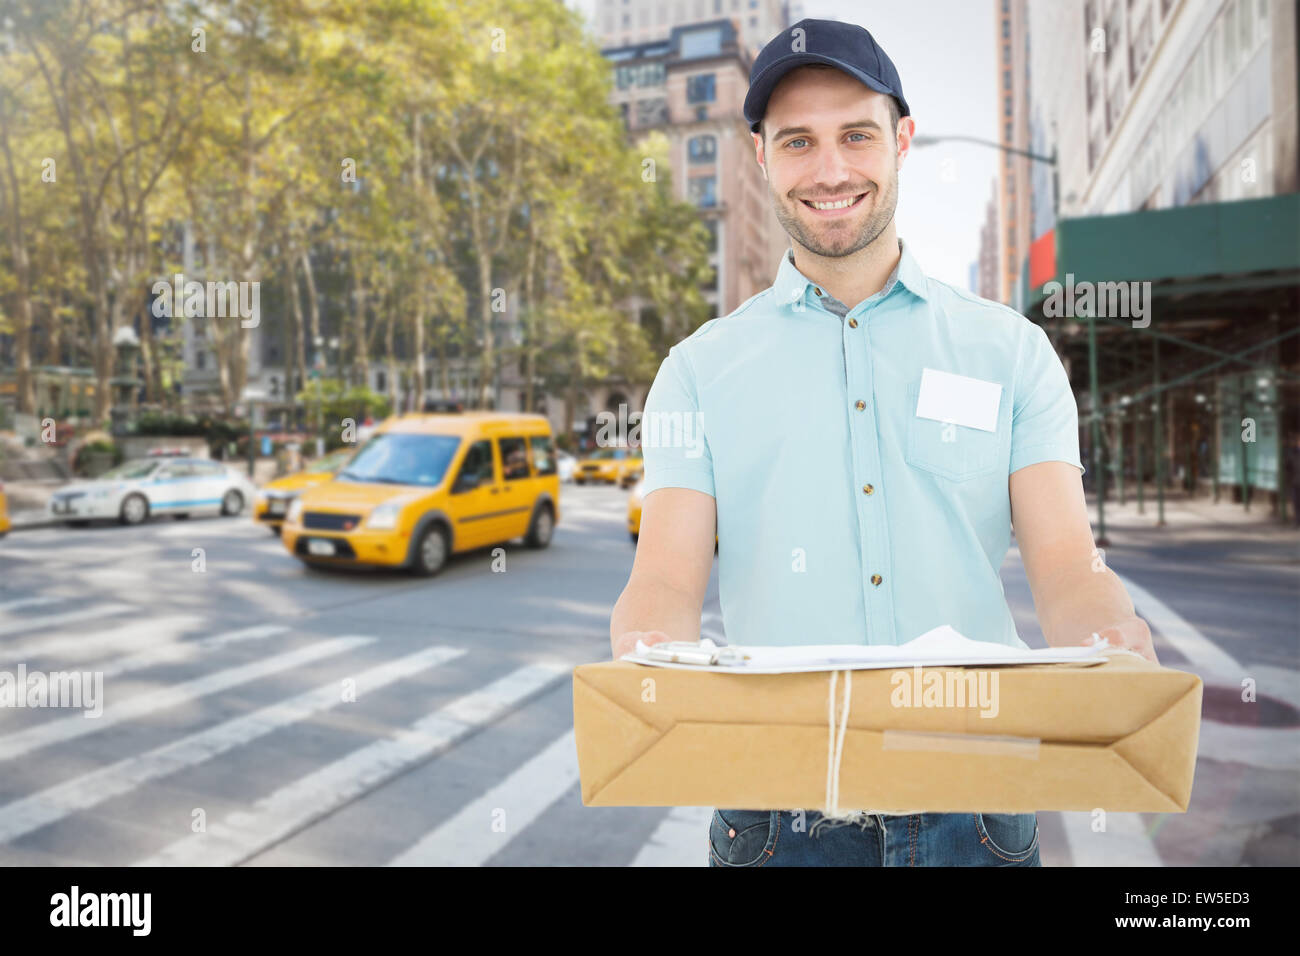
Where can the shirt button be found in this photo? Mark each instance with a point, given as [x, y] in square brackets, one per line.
[868, 489]
[817, 290]
[859, 404]
[876, 579]
[853, 323]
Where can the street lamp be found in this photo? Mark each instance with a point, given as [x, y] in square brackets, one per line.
[922, 141]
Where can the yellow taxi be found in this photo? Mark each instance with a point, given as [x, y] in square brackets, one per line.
[622, 466]
[427, 486]
[4, 511]
[274, 498]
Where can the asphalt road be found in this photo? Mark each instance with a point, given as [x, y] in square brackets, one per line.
[261, 713]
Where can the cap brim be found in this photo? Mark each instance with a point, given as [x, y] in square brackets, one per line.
[763, 85]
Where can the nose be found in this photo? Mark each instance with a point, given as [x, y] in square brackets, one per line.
[832, 170]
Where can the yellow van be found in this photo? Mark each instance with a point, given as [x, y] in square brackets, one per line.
[427, 486]
[4, 512]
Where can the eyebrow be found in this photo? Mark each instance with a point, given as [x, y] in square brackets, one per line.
[804, 130]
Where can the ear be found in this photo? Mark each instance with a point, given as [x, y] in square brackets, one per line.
[906, 130]
[758, 153]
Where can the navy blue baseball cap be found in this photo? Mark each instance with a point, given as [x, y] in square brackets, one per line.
[845, 46]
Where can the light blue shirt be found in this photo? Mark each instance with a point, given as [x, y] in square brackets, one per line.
[843, 516]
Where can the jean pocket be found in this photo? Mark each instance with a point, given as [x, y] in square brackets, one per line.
[1011, 837]
[743, 837]
[955, 452]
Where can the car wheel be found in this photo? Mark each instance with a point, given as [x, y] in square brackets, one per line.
[183, 516]
[541, 528]
[274, 529]
[430, 552]
[232, 503]
[134, 510]
[80, 523]
[579, 481]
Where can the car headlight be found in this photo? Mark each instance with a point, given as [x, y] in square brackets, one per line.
[294, 514]
[384, 517]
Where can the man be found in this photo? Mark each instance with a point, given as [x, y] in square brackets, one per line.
[860, 492]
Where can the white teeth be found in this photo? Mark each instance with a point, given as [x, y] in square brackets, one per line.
[834, 205]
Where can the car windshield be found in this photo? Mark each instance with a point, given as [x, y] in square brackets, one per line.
[129, 471]
[605, 454]
[331, 462]
[402, 459]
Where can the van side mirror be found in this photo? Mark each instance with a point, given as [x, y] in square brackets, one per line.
[466, 482]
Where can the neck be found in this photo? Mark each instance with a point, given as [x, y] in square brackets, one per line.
[852, 279]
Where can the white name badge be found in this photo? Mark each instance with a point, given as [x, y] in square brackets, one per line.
[959, 399]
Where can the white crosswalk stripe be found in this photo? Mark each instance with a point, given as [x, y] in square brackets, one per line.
[187, 650]
[67, 728]
[26, 602]
[487, 824]
[68, 617]
[242, 835]
[84, 648]
[680, 840]
[54, 803]
[1123, 843]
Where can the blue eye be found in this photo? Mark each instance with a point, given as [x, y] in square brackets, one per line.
[799, 140]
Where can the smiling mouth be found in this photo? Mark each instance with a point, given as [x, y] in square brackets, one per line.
[833, 205]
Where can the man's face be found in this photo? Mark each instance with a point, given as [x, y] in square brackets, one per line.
[829, 139]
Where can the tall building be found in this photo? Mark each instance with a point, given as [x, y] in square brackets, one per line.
[1013, 132]
[1175, 127]
[621, 23]
[691, 86]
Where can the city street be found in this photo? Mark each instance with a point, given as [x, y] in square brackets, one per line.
[259, 712]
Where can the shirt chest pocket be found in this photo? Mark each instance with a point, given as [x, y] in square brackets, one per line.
[952, 451]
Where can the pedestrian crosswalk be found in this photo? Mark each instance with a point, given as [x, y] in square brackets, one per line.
[299, 725]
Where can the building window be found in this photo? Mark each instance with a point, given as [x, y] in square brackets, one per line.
[651, 112]
[641, 74]
[712, 226]
[1006, 29]
[381, 381]
[702, 191]
[1006, 53]
[700, 88]
[700, 43]
[702, 149]
[1008, 132]
[1006, 79]
[1006, 106]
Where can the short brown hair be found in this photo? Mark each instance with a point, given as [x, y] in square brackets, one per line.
[895, 114]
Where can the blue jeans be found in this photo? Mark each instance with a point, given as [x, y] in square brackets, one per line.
[806, 838]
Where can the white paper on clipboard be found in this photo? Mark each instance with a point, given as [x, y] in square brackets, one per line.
[938, 647]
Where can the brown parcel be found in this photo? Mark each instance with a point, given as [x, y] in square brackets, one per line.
[1119, 735]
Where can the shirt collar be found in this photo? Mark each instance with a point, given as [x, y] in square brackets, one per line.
[791, 285]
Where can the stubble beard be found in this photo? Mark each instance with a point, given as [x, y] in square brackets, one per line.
[839, 243]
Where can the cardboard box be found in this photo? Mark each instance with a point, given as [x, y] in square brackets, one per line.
[1120, 735]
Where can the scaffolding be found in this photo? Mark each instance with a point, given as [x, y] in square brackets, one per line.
[1180, 329]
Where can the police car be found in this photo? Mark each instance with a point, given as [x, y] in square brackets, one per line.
[135, 490]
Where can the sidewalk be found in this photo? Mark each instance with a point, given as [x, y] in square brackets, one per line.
[1195, 514]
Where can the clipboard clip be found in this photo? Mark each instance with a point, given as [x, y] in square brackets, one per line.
[704, 654]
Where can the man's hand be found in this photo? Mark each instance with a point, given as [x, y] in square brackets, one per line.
[1131, 634]
[625, 643]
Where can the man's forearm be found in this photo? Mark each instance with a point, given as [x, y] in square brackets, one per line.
[1086, 602]
[647, 605]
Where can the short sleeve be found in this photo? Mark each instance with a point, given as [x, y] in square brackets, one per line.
[1045, 420]
[673, 440]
